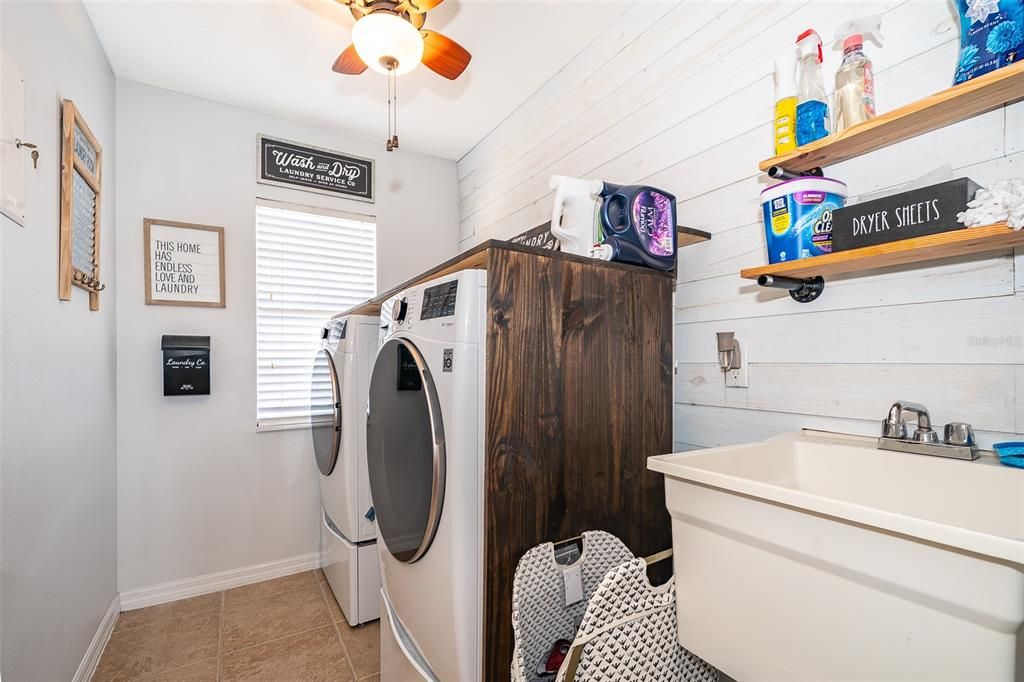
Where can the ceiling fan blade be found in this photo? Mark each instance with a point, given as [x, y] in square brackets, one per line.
[444, 56]
[349, 63]
[422, 5]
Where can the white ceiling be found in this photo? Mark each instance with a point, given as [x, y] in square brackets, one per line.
[275, 56]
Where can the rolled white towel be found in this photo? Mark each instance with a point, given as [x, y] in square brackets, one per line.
[1001, 201]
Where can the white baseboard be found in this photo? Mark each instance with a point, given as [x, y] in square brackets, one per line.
[99, 642]
[215, 582]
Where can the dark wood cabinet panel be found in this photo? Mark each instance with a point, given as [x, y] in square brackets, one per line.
[579, 394]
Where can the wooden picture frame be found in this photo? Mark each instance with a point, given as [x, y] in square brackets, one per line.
[81, 185]
[182, 268]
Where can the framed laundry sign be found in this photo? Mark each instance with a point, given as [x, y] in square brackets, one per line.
[81, 186]
[184, 263]
[314, 169]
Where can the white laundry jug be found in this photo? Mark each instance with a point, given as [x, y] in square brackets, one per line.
[573, 217]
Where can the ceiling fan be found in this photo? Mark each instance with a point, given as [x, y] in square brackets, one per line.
[389, 38]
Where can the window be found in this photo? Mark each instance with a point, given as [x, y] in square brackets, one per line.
[310, 265]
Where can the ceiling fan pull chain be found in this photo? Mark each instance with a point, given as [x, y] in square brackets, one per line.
[394, 138]
[388, 78]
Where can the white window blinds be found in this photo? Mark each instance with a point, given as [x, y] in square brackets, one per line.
[310, 265]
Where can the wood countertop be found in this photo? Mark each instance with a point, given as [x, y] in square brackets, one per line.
[478, 257]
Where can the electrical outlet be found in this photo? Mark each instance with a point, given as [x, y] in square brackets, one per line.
[737, 378]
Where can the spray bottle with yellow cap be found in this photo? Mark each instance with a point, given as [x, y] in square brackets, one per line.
[785, 103]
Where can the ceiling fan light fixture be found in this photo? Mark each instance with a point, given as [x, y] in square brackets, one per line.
[383, 39]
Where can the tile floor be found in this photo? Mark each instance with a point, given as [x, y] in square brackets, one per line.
[280, 630]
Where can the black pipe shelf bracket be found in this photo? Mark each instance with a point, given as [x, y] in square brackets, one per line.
[782, 173]
[802, 290]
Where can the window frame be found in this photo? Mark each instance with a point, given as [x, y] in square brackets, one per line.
[298, 423]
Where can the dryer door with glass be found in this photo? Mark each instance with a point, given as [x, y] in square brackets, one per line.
[405, 450]
[325, 412]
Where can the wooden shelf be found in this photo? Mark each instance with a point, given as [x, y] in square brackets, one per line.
[977, 96]
[996, 237]
[688, 236]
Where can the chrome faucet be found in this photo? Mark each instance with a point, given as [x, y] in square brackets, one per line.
[895, 426]
[958, 441]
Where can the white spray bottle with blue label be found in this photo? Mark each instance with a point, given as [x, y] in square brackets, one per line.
[813, 121]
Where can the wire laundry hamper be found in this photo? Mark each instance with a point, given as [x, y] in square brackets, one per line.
[622, 628]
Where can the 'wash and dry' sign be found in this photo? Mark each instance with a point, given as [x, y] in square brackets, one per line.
[290, 164]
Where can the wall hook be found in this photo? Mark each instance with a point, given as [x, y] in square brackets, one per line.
[18, 144]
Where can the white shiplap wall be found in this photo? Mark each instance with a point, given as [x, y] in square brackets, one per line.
[679, 95]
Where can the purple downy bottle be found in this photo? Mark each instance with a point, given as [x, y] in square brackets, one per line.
[639, 225]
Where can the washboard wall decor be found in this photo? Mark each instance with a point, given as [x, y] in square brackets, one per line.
[80, 193]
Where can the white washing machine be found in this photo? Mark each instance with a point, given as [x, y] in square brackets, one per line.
[424, 452]
[348, 532]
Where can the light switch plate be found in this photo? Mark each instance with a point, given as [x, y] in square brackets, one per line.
[737, 378]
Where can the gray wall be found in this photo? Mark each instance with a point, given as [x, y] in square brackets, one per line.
[680, 96]
[199, 490]
[59, 565]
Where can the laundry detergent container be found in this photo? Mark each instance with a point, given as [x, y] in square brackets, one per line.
[798, 217]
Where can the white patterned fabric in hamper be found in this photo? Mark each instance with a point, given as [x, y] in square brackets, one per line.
[629, 633]
[539, 614]
[627, 627]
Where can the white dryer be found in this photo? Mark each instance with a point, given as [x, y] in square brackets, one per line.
[424, 452]
[348, 531]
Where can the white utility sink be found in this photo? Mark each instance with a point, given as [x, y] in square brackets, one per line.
[815, 556]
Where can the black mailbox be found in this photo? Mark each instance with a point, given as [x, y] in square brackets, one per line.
[186, 365]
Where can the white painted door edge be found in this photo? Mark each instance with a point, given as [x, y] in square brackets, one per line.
[99, 642]
[214, 582]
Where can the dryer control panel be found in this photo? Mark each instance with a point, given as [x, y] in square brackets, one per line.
[439, 300]
[445, 309]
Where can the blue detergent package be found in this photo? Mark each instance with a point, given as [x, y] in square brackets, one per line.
[991, 36]
[798, 217]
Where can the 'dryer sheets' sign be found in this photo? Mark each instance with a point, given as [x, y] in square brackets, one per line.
[184, 264]
[914, 213]
[290, 164]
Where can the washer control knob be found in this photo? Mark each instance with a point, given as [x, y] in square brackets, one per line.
[399, 310]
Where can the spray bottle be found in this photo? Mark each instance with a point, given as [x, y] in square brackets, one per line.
[812, 115]
[855, 79]
[785, 103]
